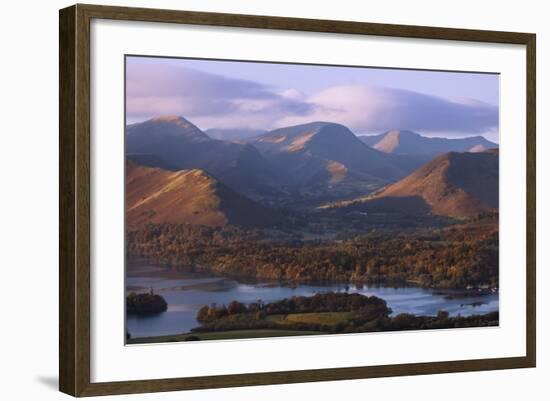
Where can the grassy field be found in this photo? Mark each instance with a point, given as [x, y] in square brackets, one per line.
[221, 335]
[323, 318]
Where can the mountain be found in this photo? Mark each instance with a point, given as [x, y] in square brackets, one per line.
[326, 152]
[478, 148]
[454, 184]
[155, 195]
[233, 134]
[402, 142]
[174, 143]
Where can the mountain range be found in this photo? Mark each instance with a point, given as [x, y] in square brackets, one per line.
[313, 161]
[178, 173]
[174, 143]
[403, 142]
[327, 152]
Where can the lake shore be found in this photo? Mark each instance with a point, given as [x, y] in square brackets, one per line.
[187, 292]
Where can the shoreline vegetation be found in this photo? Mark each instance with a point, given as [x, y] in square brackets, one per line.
[462, 256]
[327, 313]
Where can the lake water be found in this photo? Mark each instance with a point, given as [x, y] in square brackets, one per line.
[186, 293]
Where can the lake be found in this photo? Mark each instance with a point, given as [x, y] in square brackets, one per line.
[186, 293]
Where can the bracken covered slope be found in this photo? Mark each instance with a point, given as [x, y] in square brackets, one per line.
[154, 195]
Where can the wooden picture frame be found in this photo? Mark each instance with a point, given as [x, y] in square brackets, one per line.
[74, 204]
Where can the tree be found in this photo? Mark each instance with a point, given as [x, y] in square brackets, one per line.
[236, 307]
[203, 314]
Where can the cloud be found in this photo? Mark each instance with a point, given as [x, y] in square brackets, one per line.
[209, 100]
[215, 101]
[374, 109]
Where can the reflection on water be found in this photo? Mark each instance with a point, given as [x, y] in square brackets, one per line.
[186, 293]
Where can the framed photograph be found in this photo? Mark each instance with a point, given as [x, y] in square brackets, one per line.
[250, 200]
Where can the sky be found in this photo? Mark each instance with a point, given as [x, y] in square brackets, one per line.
[252, 95]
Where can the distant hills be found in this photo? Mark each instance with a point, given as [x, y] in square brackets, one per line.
[155, 195]
[454, 184]
[402, 142]
[310, 161]
[324, 151]
[302, 166]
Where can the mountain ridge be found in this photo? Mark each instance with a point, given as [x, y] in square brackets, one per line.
[454, 184]
[405, 142]
[306, 150]
[155, 195]
[172, 142]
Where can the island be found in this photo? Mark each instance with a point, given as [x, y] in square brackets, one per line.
[145, 304]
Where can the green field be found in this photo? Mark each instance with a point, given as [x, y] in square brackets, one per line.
[222, 335]
[322, 318]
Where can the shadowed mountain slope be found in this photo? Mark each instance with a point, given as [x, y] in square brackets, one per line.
[226, 134]
[174, 143]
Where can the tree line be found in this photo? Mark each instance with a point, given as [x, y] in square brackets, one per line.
[324, 302]
[459, 256]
